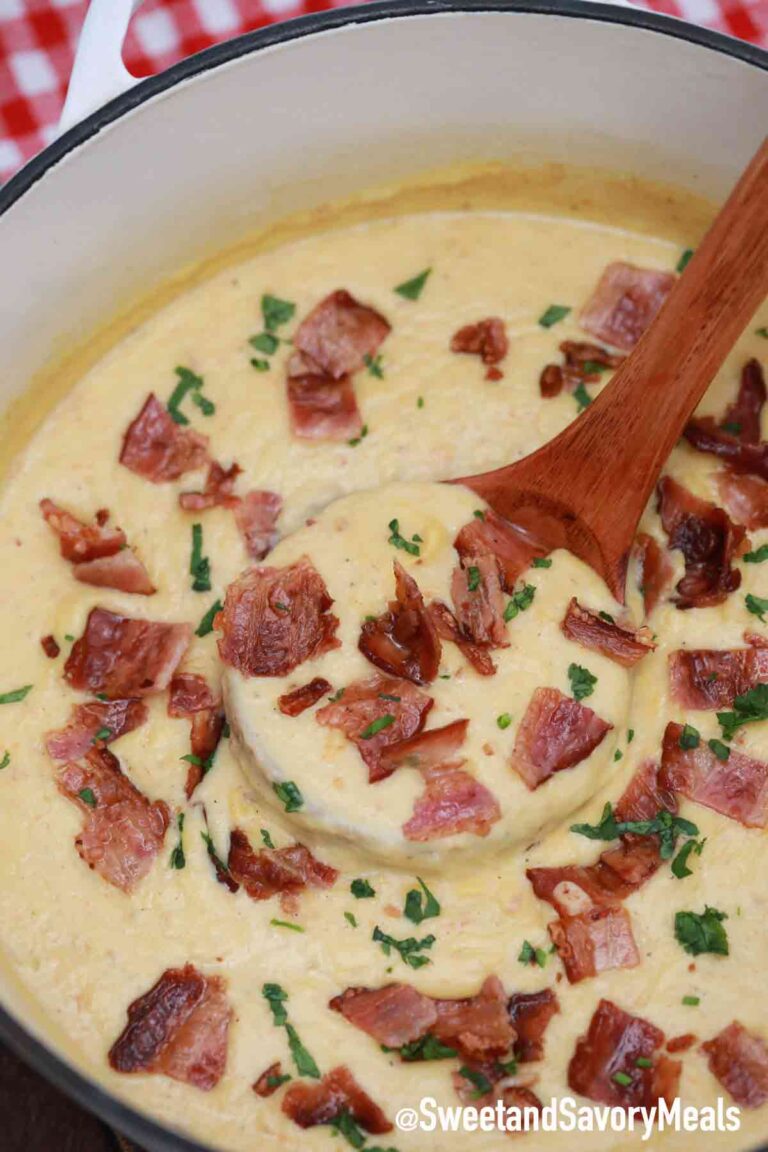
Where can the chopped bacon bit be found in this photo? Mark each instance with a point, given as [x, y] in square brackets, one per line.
[123, 571]
[276, 618]
[50, 646]
[681, 1043]
[338, 334]
[269, 1081]
[645, 795]
[486, 339]
[745, 498]
[190, 693]
[594, 941]
[742, 417]
[393, 1015]
[494, 374]
[448, 629]
[556, 732]
[108, 718]
[479, 602]
[625, 303]
[709, 541]
[614, 1043]
[710, 678]
[503, 1086]
[736, 438]
[119, 656]
[530, 1014]
[371, 700]
[404, 640]
[123, 831]
[219, 489]
[736, 787]
[322, 408]
[256, 516]
[551, 381]
[514, 548]
[437, 748]
[738, 1059]
[624, 645]
[305, 696]
[178, 1028]
[574, 888]
[477, 1026]
[654, 571]
[582, 364]
[79, 542]
[275, 871]
[337, 1094]
[158, 448]
[453, 802]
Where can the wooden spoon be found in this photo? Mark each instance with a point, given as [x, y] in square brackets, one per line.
[586, 489]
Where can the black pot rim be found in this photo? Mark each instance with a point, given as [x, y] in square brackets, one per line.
[120, 1116]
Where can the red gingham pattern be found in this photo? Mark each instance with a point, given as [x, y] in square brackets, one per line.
[38, 39]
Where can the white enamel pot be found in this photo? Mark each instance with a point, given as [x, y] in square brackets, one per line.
[285, 118]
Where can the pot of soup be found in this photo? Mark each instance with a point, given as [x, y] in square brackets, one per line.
[335, 808]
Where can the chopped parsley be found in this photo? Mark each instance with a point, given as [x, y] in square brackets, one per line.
[684, 260]
[259, 364]
[622, 1078]
[630, 735]
[88, 797]
[362, 889]
[286, 924]
[5, 760]
[720, 750]
[345, 1125]
[377, 725]
[582, 397]
[421, 904]
[504, 720]
[221, 868]
[480, 1082]
[277, 1081]
[427, 1047]
[16, 695]
[689, 737]
[553, 315]
[289, 795]
[374, 365]
[542, 562]
[679, 865]
[276, 997]
[749, 708]
[420, 402]
[265, 342]
[357, 439]
[643, 1062]
[519, 602]
[276, 312]
[205, 627]
[266, 839]
[606, 616]
[618, 755]
[410, 546]
[188, 382]
[178, 859]
[691, 1001]
[102, 734]
[757, 557]
[408, 949]
[762, 332]
[199, 565]
[413, 288]
[351, 919]
[530, 955]
[757, 605]
[699, 932]
[582, 681]
[473, 578]
[666, 825]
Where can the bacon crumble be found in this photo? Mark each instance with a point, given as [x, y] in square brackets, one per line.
[708, 540]
[625, 302]
[530, 1014]
[191, 697]
[106, 719]
[611, 1048]
[218, 491]
[594, 941]
[299, 699]
[99, 555]
[582, 364]
[453, 802]
[403, 641]
[269, 1081]
[486, 339]
[50, 646]
[492, 535]
[736, 787]
[623, 645]
[738, 1059]
[120, 656]
[478, 601]
[256, 515]
[337, 1094]
[275, 871]
[654, 570]
[555, 733]
[736, 438]
[159, 449]
[706, 679]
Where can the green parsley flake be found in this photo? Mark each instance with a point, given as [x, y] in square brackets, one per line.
[622, 1078]
[276, 998]
[276, 312]
[362, 889]
[757, 605]
[643, 1062]
[679, 865]
[553, 315]
[265, 342]
[480, 1082]
[266, 839]
[356, 439]
[289, 795]
[583, 400]
[427, 1047]
[699, 932]
[88, 797]
[259, 364]
[519, 602]
[542, 562]
[582, 681]
[178, 859]
[102, 734]
[530, 955]
[473, 578]
[757, 557]
[374, 365]
[188, 382]
[351, 919]
[630, 735]
[376, 726]
[287, 924]
[5, 760]
[421, 904]
[408, 949]
[684, 260]
[720, 750]
[410, 546]
[16, 695]
[420, 402]
[762, 332]
[222, 870]
[345, 1125]
[666, 825]
[199, 565]
[689, 737]
[504, 720]
[691, 1001]
[412, 289]
[205, 627]
[749, 708]
[305, 1064]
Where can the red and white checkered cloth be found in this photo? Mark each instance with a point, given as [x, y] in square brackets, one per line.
[38, 39]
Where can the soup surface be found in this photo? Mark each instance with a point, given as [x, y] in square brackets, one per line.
[426, 862]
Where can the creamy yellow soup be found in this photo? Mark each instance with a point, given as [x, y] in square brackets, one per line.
[77, 951]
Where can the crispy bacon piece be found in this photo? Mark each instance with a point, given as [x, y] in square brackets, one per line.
[269, 1081]
[305, 696]
[50, 646]
[736, 438]
[681, 1043]
[745, 498]
[404, 640]
[708, 540]
[709, 678]
[178, 1028]
[624, 645]
[582, 364]
[479, 602]
[338, 334]
[119, 656]
[613, 1044]
[742, 417]
[575, 888]
[624, 303]
[486, 339]
[111, 718]
[158, 448]
[645, 795]
[256, 516]
[736, 787]
[551, 381]
[448, 629]
[738, 1059]
[654, 571]
[367, 701]
[514, 548]
[190, 696]
[79, 542]
[437, 748]
[275, 871]
[594, 941]
[393, 1015]
[122, 832]
[476, 1026]
[276, 618]
[530, 1014]
[555, 733]
[504, 1087]
[452, 802]
[322, 408]
[219, 489]
[190, 693]
[337, 1094]
[123, 571]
